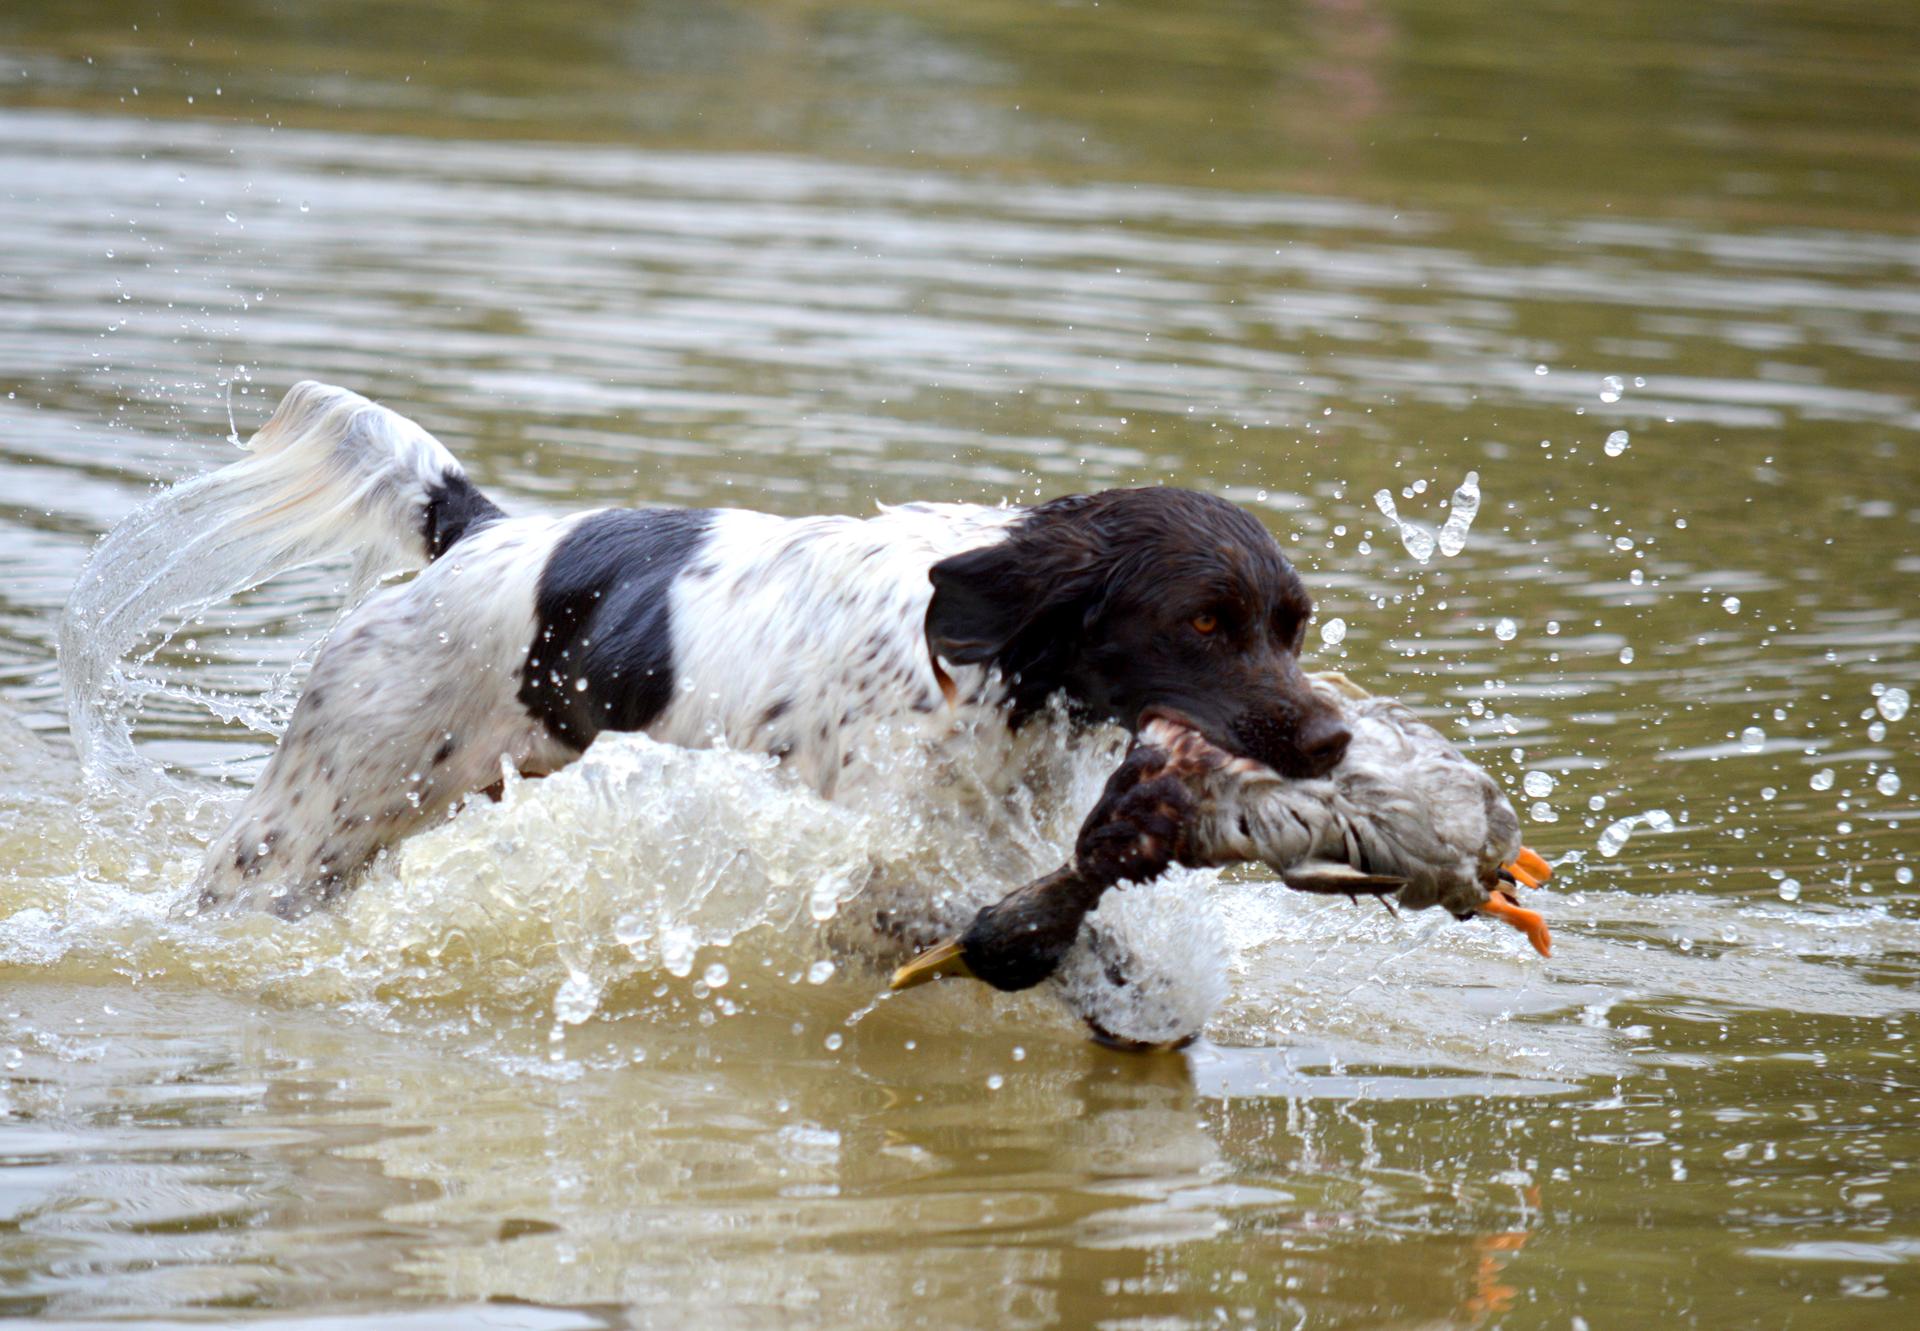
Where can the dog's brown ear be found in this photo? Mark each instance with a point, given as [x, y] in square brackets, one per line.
[1012, 603]
[981, 601]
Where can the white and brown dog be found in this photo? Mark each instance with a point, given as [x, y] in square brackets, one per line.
[805, 638]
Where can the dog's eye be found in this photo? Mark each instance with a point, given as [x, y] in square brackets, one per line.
[1205, 623]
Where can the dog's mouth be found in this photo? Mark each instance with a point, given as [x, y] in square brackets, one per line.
[1167, 727]
[1171, 722]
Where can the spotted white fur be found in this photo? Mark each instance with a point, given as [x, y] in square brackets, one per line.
[410, 707]
[802, 637]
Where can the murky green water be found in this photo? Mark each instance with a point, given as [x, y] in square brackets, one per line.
[807, 256]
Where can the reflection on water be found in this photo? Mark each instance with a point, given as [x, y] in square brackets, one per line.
[1649, 272]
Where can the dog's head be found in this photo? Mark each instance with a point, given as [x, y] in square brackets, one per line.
[1144, 602]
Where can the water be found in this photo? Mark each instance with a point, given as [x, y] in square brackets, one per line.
[810, 258]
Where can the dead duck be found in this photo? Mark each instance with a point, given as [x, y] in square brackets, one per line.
[1405, 817]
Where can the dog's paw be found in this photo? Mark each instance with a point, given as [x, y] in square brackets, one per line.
[1138, 829]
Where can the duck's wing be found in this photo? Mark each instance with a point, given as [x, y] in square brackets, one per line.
[1332, 878]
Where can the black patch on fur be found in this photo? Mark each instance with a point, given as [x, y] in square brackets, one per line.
[455, 509]
[601, 614]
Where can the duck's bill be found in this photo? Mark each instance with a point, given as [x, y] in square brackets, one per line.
[1529, 868]
[939, 961]
[1529, 922]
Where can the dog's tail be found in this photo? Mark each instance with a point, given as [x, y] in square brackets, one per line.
[329, 474]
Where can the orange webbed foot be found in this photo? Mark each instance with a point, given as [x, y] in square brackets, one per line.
[1529, 868]
[1529, 922]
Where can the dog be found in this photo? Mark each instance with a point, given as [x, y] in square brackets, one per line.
[805, 638]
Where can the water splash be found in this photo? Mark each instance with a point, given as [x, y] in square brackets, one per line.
[1421, 541]
[329, 473]
[1617, 833]
[1461, 512]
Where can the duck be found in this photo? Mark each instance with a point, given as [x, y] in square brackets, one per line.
[1405, 817]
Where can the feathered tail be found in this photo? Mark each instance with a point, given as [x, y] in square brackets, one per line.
[330, 473]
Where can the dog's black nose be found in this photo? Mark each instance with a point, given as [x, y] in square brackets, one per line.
[1323, 743]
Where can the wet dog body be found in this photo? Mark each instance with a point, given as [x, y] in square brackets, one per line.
[826, 641]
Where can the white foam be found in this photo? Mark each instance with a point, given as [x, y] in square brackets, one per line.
[1168, 940]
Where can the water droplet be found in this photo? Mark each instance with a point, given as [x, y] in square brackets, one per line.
[1893, 703]
[304, 205]
[1615, 836]
[1538, 785]
[1596, 802]
[1658, 820]
[1731, 605]
[716, 976]
[1888, 784]
[1753, 739]
[1611, 388]
[232, 218]
[1623, 543]
[1616, 444]
[1461, 511]
[1505, 630]
[995, 1082]
[1822, 779]
[1539, 369]
[1903, 875]
[820, 972]
[835, 1040]
[1626, 656]
[1333, 632]
[676, 950]
[1789, 889]
[1877, 731]
[1418, 541]
[1542, 812]
[823, 903]
[576, 998]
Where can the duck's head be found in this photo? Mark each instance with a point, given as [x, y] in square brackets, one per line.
[1143, 965]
